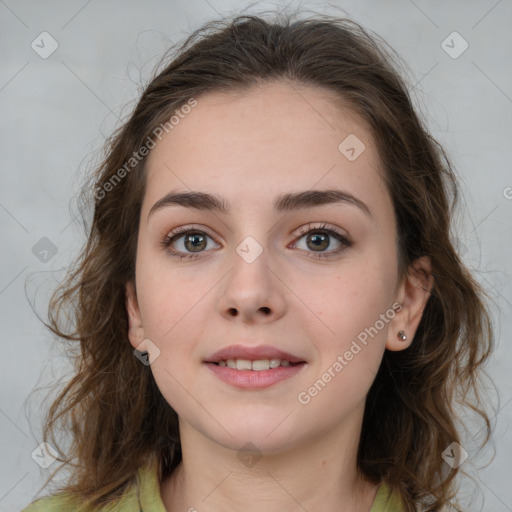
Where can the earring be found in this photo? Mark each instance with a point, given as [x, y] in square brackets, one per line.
[401, 335]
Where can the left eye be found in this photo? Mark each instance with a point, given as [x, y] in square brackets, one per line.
[318, 239]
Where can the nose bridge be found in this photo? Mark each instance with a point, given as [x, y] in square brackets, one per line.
[250, 262]
[252, 235]
[251, 288]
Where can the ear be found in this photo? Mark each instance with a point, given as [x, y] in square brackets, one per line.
[413, 295]
[135, 330]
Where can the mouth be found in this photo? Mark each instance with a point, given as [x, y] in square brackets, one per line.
[254, 367]
[257, 358]
[257, 365]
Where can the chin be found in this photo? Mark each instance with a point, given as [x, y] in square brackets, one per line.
[268, 436]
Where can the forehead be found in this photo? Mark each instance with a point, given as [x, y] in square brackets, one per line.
[275, 137]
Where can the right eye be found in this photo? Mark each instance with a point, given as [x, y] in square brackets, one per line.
[191, 239]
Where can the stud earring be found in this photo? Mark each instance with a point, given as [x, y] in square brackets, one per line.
[401, 335]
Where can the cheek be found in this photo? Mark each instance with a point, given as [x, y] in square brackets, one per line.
[169, 297]
[352, 299]
[349, 335]
[171, 316]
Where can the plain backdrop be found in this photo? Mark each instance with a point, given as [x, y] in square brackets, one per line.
[57, 109]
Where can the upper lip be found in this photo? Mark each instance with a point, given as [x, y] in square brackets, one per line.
[252, 353]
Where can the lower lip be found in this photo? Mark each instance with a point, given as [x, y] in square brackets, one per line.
[251, 379]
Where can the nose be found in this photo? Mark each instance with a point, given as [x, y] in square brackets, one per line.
[252, 292]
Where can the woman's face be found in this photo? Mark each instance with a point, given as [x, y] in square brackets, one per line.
[252, 275]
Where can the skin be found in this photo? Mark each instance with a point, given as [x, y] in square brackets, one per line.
[249, 148]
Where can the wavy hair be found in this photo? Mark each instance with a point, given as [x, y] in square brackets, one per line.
[112, 408]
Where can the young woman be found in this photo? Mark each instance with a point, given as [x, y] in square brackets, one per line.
[270, 310]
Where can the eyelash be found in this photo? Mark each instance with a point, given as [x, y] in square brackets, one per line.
[179, 232]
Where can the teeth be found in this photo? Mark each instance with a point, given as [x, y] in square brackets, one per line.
[261, 364]
[258, 365]
[243, 364]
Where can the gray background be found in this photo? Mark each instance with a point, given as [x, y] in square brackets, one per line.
[56, 112]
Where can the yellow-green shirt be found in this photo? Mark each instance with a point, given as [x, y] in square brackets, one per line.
[145, 497]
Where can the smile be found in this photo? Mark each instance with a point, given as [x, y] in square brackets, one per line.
[258, 365]
[257, 374]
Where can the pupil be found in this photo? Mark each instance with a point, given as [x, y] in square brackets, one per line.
[196, 241]
[319, 240]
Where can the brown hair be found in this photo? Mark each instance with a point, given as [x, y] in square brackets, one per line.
[112, 406]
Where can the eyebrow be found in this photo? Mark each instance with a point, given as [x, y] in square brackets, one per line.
[283, 203]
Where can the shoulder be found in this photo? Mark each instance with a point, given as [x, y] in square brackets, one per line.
[145, 494]
[386, 500]
[65, 503]
[57, 503]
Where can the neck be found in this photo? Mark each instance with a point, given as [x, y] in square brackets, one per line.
[320, 474]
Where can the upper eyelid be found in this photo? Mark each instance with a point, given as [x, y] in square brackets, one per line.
[182, 230]
[324, 225]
